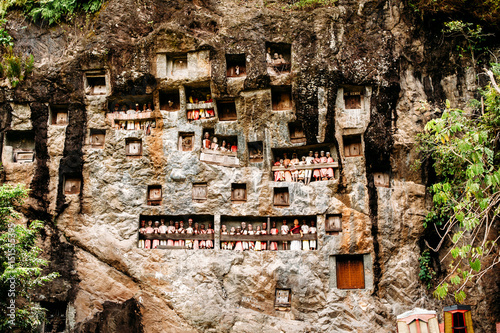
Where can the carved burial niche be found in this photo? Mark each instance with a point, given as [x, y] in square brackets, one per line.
[353, 97]
[186, 141]
[381, 179]
[333, 224]
[238, 192]
[72, 184]
[278, 58]
[226, 110]
[170, 100]
[283, 299]
[281, 196]
[236, 65]
[22, 144]
[352, 146]
[154, 195]
[133, 147]
[97, 137]
[200, 191]
[137, 103]
[281, 98]
[176, 64]
[297, 134]
[55, 315]
[95, 83]
[199, 103]
[255, 151]
[350, 272]
[58, 115]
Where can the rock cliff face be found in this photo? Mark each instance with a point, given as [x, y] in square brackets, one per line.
[164, 52]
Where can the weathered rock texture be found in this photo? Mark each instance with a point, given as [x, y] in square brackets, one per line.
[112, 285]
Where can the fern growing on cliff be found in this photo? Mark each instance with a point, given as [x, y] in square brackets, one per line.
[50, 11]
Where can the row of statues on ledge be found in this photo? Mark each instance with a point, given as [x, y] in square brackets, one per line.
[296, 174]
[175, 228]
[199, 229]
[296, 245]
[201, 113]
[213, 144]
[124, 110]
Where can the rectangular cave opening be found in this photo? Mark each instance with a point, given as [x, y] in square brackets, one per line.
[22, 144]
[55, 317]
[199, 103]
[95, 83]
[381, 179]
[238, 192]
[283, 299]
[58, 115]
[131, 104]
[305, 164]
[242, 233]
[255, 151]
[177, 64]
[97, 138]
[236, 65]
[186, 141]
[72, 184]
[281, 196]
[296, 131]
[154, 195]
[170, 100]
[350, 272]
[219, 149]
[200, 191]
[281, 97]
[133, 147]
[333, 224]
[226, 110]
[190, 232]
[278, 58]
[353, 97]
[352, 146]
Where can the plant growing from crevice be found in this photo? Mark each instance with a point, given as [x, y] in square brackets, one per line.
[426, 272]
[51, 11]
[13, 66]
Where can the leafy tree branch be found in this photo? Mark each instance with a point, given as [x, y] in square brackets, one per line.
[466, 196]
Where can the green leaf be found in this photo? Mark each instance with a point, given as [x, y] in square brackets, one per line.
[455, 279]
[476, 265]
[460, 296]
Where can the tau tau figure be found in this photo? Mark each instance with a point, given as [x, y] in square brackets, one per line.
[284, 231]
[142, 231]
[312, 230]
[296, 246]
[305, 231]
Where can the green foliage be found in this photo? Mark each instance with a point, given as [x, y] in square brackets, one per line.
[19, 262]
[473, 37]
[426, 272]
[5, 38]
[16, 67]
[466, 196]
[478, 10]
[51, 11]
[310, 4]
